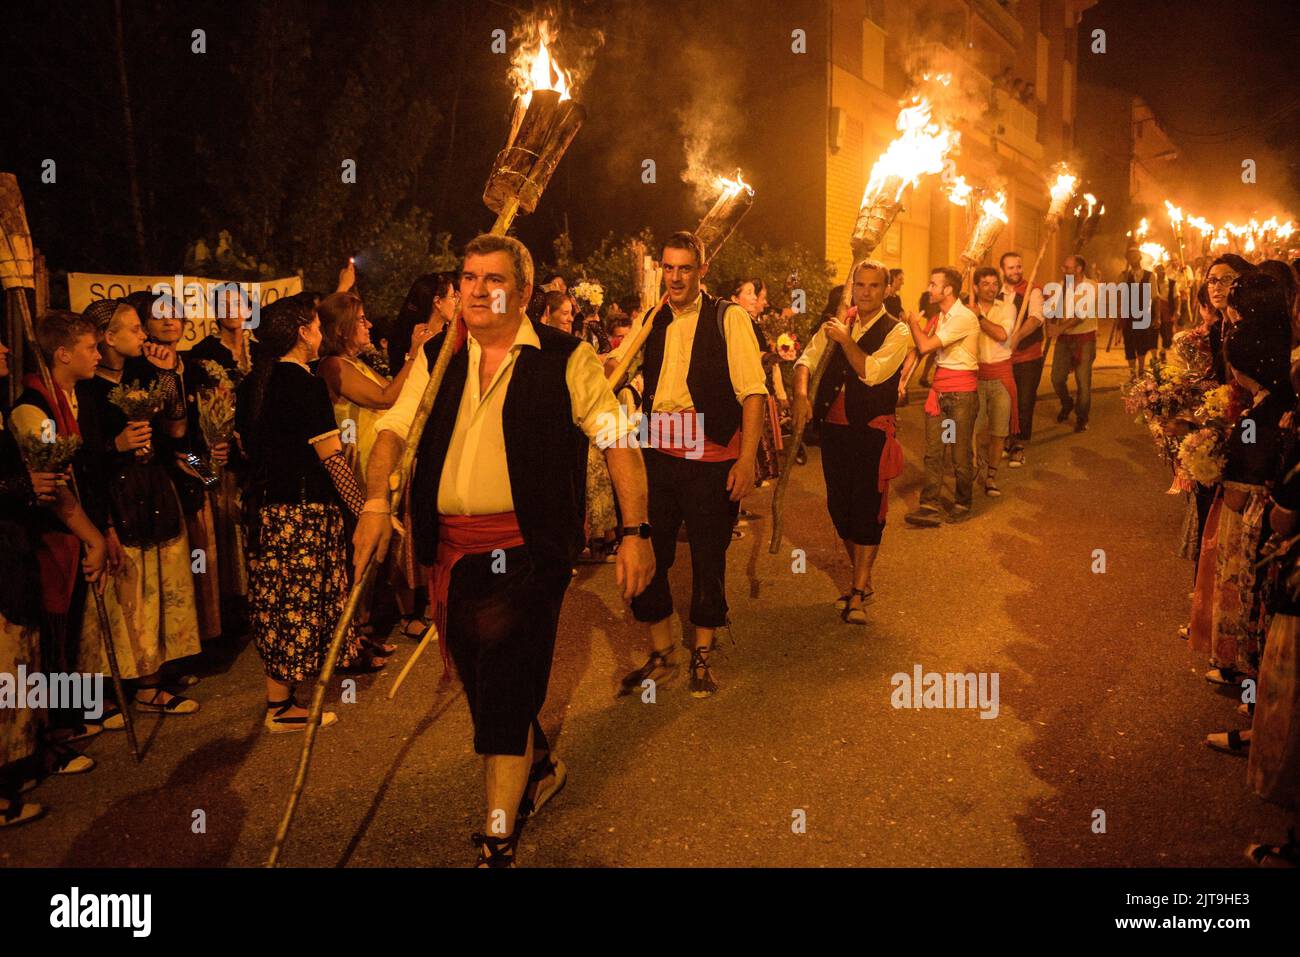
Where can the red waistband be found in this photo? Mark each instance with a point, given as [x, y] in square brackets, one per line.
[692, 424]
[995, 370]
[949, 380]
[1028, 354]
[458, 536]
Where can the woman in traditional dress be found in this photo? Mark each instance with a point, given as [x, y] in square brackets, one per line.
[164, 320]
[24, 495]
[1257, 348]
[1274, 770]
[360, 395]
[299, 485]
[150, 597]
[225, 354]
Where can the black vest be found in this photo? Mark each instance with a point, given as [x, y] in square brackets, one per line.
[709, 376]
[1034, 337]
[862, 403]
[546, 454]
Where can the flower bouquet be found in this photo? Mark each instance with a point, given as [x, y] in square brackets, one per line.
[52, 456]
[1201, 455]
[216, 408]
[589, 293]
[139, 404]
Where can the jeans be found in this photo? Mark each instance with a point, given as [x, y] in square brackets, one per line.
[1082, 404]
[960, 408]
[1027, 376]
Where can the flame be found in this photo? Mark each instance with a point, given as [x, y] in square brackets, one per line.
[943, 79]
[1063, 188]
[919, 151]
[1157, 252]
[1092, 202]
[1102, 211]
[1143, 229]
[1285, 230]
[996, 207]
[1175, 213]
[960, 191]
[730, 187]
[1220, 238]
[536, 69]
[1206, 227]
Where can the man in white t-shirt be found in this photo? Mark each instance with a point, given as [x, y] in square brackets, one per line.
[1075, 309]
[997, 384]
[953, 400]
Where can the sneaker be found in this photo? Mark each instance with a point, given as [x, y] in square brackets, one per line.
[1017, 459]
[1064, 413]
[925, 516]
[1081, 426]
[991, 488]
[959, 514]
[659, 667]
[702, 683]
[277, 720]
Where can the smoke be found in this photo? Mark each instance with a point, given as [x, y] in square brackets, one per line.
[707, 122]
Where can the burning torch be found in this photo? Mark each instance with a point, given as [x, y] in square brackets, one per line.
[545, 120]
[1087, 216]
[920, 149]
[992, 217]
[1061, 191]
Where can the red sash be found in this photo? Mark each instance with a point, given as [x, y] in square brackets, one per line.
[1001, 372]
[891, 460]
[1074, 341]
[671, 442]
[458, 536]
[59, 555]
[949, 380]
[1028, 353]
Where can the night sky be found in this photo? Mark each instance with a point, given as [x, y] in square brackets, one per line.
[1222, 75]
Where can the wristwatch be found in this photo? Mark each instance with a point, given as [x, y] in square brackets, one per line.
[640, 531]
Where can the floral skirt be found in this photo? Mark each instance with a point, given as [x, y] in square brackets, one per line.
[770, 443]
[151, 612]
[602, 517]
[19, 727]
[298, 587]
[1274, 770]
[1238, 619]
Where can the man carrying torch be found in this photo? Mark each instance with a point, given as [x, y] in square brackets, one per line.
[854, 414]
[497, 508]
[704, 395]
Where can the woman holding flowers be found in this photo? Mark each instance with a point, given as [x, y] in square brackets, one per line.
[215, 367]
[137, 404]
[1257, 349]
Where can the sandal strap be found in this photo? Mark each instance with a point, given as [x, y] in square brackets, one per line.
[496, 851]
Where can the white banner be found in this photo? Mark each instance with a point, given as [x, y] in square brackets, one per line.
[198, 294]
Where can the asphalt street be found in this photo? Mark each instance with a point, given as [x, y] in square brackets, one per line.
[1100, 709]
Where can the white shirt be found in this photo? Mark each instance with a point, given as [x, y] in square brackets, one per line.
[744, 361]
[475, 480]
[959, 332]
[1001, 313]
[881, 364]
[1083, 308]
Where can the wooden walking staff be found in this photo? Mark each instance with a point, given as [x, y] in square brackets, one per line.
[919, 150]
[545, 122]
[713, 231]
[1061, 192]
[17, 276]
